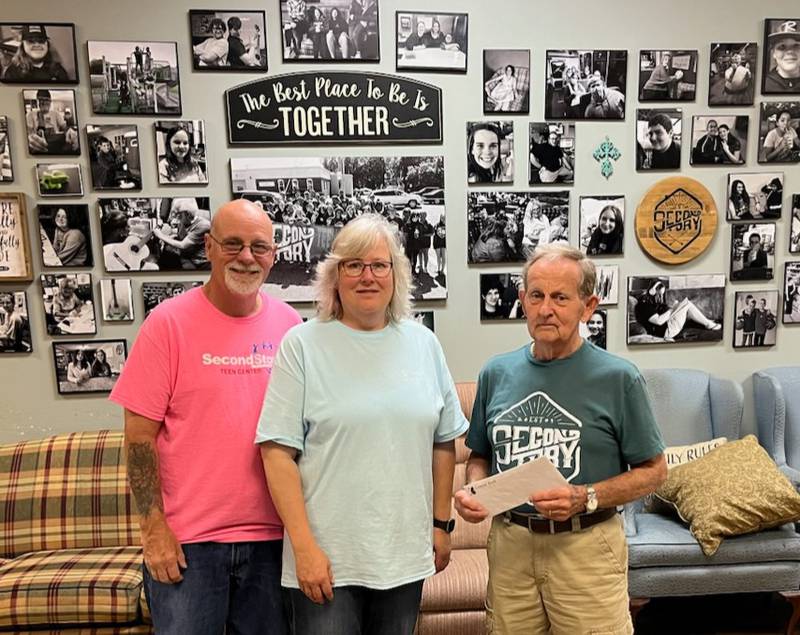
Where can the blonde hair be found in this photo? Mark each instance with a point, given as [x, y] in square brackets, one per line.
[555, 251]
[354, 241]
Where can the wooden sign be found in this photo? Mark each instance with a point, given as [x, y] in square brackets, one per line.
[676, 220]
[326, 107]
[15, 256]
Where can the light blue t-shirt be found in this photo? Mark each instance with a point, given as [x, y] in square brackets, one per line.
[364, 408]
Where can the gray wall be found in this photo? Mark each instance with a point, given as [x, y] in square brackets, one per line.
[31, 406]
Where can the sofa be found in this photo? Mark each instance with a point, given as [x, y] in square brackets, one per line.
[776, 394]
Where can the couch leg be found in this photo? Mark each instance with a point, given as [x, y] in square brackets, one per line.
[635, 605]
[794, 598]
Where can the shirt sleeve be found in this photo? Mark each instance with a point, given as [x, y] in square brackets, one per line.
[452, 422]
[477, 439]
[73, 243]
[640, 437]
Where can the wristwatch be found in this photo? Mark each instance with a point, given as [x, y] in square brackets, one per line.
[591, 499]
[445, 525]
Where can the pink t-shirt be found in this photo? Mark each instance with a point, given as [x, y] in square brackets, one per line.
[204, 374]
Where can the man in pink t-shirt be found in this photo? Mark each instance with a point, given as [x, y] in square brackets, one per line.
[192, 390]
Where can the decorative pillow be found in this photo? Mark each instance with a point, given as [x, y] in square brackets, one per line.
[734, 489]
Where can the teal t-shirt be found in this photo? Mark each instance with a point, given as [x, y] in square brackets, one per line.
[364, 408]
[588, 413]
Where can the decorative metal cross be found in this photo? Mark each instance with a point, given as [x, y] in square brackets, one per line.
[606, 152]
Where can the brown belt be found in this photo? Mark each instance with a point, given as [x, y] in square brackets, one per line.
[544, 526]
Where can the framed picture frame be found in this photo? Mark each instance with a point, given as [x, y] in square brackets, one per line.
[602, 225]
[754, 196]
[659, 136]
[752, 251]
[791, 292]
[490, 152]
[88, 366]
[755, 318]
[506, 81]
[667, 75]
[6, 163]
[38, 53]
[15, 328]
[431, 41]
[51, 121]
[779, 132]
[426, 318]
[606, 286]
[68, 300]
[719, 139]
[15, 254]
[780, 73]
[154, 293]
[114, 156]
[585, 84]
[551, 152]
[232, 40]
[116, 298]
[595, 329]
[59, 179]
[794, 232]
[499, 297]
[732, 73]
[181, 151]
[65, 235]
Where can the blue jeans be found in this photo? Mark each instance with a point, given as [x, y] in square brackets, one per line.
[232, 588]
[356, 610]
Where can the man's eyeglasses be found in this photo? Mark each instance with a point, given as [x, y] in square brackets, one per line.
[233, 247]
[354, 268]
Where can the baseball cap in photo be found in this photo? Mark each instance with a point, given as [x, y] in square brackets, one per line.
[34, 31]
[785, 28]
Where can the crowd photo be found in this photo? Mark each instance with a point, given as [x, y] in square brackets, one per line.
[434, 41]
[585, 84]
[755, 318]
[89, 366]
[38, 54]
[732, 74]
[65, 235]
[228, 40]
[755, 195]
[15, 329]
[718, 139]
[68, 303]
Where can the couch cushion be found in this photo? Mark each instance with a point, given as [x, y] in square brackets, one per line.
[461, 586]
[71, 586]
[135, 629]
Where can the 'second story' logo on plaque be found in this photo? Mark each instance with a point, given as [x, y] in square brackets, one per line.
[677, 220]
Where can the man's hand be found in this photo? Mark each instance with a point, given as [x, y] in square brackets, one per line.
[71, 138]
[468, 508]
[314, 574]
[37, 143]
[162, 553]
[441, 549]
[560, 503]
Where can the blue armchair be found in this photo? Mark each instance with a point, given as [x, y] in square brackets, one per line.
[776, 392]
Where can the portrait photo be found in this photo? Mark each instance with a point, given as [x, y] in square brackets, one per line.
[755, 195]
[506, 80]
[225, 40]
[551, 152]
[791, 292]
[781, 62]
[675, 309]
[116, 297]
[602, 225]
[154, 293]
[500, 296]
[794, 235]
[65, 235]
[752, 251]
[15, 328]
[338, 31]
[154, 234]
[490, 152]
[432, 42]
[658, 138]
[719, 139]
[426, 318]
[59, 179]
[6, 166]
[51, 122]
[756, 318]
[88, 366]
[508, 226]
[38, 53]
[134, 78]
[114, 157]
[68, 303]
[606, 285]
[667, 75]
[778, 139]
[595, 329]
[732, 74]
[181, 148]
[585, 84]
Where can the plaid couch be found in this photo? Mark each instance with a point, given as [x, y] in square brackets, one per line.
[70, 555]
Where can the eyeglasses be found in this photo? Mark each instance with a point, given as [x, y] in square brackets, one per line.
[354, 268]
[233, 247]
[36, 39]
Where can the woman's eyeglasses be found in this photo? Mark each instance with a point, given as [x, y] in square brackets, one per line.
[354, 268]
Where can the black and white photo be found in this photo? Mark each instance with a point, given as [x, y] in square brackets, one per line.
[781, 62]
[59, 179]
[6, 165]
[15, 328]
[426, 318]
[88, 366]
[667, 75]
[432, 41]
[154, 293]
[794, 232]
[154, 234]
[134, 77]
[114, 157]
[506, 80]
[181, 148]
[755, 318]
[68, 303]
[38, 53]
[719, 139]
[732, 74]
[51, 122]
[595, 329]
[551, 153]
[755, 195]
[116, 297]
[659, 133]
[752, 251]
[65, 235]
[338, 31]
[499, 298]
[778, 139]
[224, 39]
[585, 84]
[490, 152]
[675, 309]
[602, 225]
[606, 286]
[791, 292]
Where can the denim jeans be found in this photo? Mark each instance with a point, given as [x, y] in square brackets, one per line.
[356, 610]
[232, 588]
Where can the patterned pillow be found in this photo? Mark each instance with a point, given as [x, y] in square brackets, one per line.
[734, 489]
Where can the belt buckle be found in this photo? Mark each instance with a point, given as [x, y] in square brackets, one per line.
[552, 526]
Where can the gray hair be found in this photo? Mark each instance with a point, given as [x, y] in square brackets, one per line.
[555, 252]
[353, 241]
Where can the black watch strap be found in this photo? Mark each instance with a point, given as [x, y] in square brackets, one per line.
[445, 525]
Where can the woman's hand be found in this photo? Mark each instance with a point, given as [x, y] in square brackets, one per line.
[314, 574]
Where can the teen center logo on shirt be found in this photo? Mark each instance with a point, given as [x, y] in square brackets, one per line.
[260, 358]
[537, 426]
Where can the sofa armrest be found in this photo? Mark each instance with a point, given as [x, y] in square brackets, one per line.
[792, 474]
[629, 516]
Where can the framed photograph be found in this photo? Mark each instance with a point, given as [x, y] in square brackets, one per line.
[659, 133]
[154, 234]
[667, 75]
[134, 78]
[15, 255]
[755, 195]
[51, 121]
[500, 297]
[606, 286]
[551, 153]
[425, 318]
[154, 293]
[508, 226]
[15, 329]
[490, 152]
[68, 303]
[752, 251]
[594, 330]
[116, 296]
[794, 234]
[339, 31]
[88, 366]
[38, 53]
[228, 40]
[791, 292]
[675, 309]
[65, 235]
[114, 157]
[719, 139]
[506, 80]
[432, 42]
[6, 167]
[732, 74]
[778, 140]
[755, 318]
[602, 225]
[181, 148]
[310, 198]
[585, 84]
[781, 64]
[59, 179]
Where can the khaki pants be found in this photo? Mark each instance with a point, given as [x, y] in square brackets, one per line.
[572, 583]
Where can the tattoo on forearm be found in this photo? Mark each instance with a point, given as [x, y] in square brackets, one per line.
[143, 477]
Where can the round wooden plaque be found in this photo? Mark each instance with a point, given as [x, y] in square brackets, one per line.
[676, 220]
